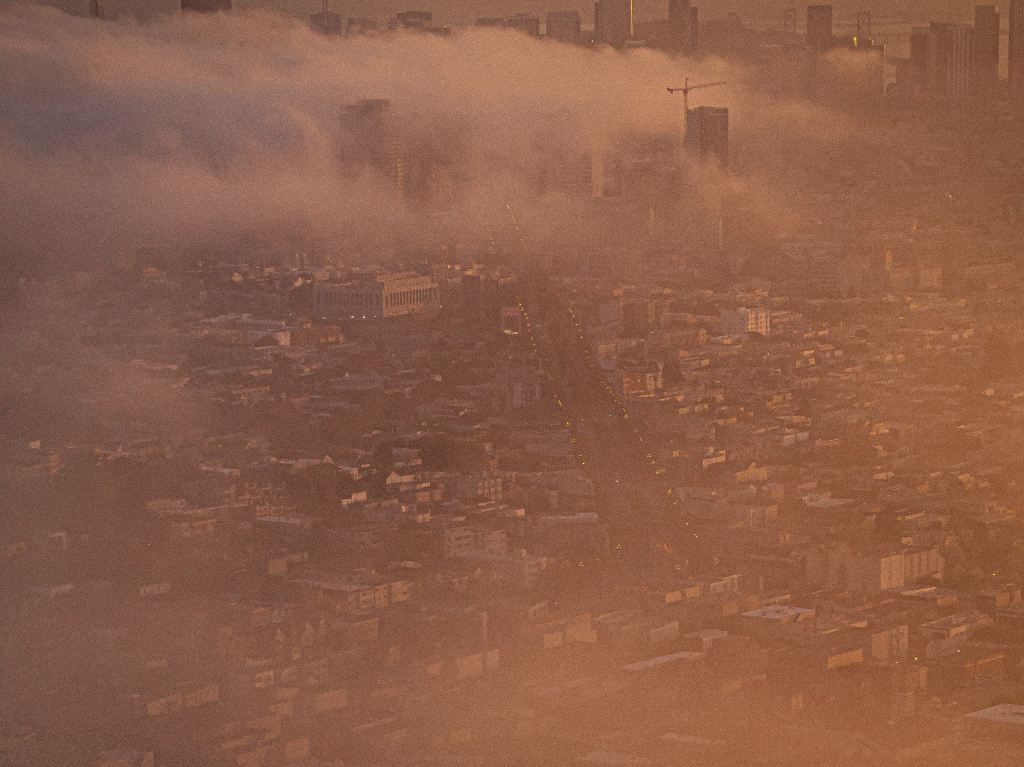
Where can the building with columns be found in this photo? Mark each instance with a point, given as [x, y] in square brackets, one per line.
[375, 296]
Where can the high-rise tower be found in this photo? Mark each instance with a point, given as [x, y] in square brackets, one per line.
[950, 60]
[370, 136]
[864, 25]
[1016, 52]
[613, 22]
[986, 46]
[819, 27]
[679, 25]
[563, 26]
[707, 134]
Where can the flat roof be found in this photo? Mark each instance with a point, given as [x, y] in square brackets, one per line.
[778, 612]
[661, 660]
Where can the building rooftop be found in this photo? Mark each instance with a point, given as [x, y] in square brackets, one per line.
[781, 613]
[661, 660]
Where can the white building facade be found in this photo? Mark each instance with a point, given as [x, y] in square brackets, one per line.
[390, 294]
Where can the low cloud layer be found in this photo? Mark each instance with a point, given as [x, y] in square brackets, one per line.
[119, 134]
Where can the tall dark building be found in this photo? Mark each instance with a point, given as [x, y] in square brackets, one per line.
[707, 134]
[370, 136]
[950, 60]
[1016, 52]
[613, 22]
[564, 26]
[789, 21]
[414, 20]
[524, 22]
[819, 27]
[98, 9]
[917, 70]
[206, 6]
[986, 46]
[863, 25]
[679, 24]
[694, 28]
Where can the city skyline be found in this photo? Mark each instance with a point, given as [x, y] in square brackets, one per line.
[471, 384]
[465, 12]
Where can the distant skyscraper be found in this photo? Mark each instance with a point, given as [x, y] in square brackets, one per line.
[919, 53]
[1016, 53]
[789, 21]
[986, 46]
[98, 9]
[564, 26]
[206, 6]
[863, 24]
[613, 22]
[679, 24]
[414, 19]
[707, 134]
[694, 28]
[819, 27]
[524, 22]
[950, 60]
[326, 22]
[917, 68]
[370, 136]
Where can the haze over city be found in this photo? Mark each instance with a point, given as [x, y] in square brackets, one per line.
[519, 383]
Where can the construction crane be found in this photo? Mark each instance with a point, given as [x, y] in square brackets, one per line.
[685, 90]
